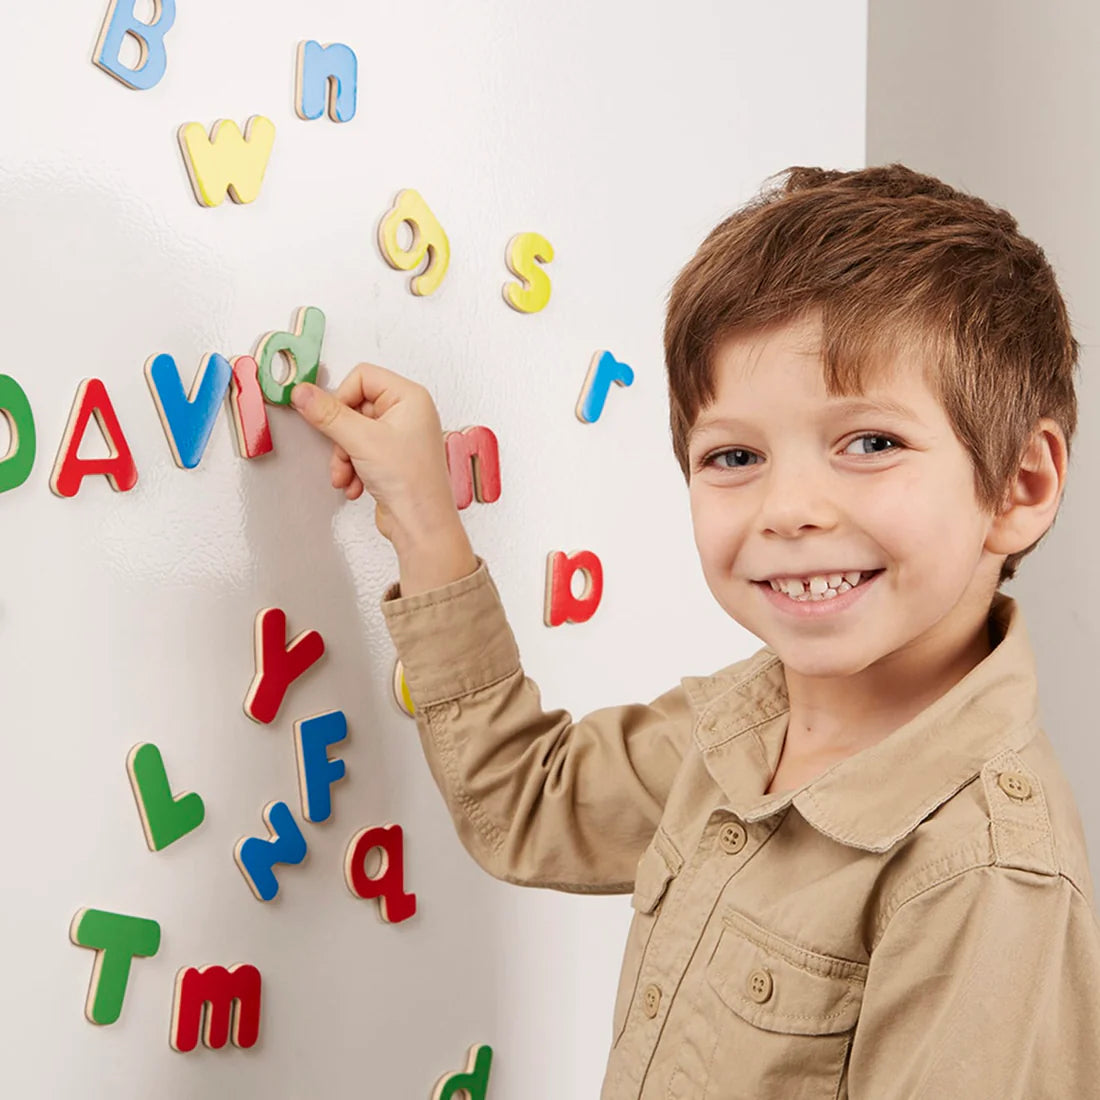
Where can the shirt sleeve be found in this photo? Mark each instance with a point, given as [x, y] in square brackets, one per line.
[986, 986]
[537, 798]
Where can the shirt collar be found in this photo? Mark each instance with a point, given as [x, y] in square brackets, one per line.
[874, 798]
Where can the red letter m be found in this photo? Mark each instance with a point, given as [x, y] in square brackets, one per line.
[217, 989]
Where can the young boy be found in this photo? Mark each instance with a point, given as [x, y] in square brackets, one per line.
[857, 867]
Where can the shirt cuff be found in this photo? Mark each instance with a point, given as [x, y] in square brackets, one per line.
[451, 640]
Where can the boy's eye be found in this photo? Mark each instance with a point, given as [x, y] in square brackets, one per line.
[718, 459]
[894, 444]
[731, 459]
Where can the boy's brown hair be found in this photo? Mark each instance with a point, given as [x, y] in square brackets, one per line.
[894, 261]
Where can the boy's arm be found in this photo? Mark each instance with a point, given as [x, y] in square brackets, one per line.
[986, 986]
[537, 798]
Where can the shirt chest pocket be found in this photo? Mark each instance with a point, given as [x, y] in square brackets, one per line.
[783, 1015]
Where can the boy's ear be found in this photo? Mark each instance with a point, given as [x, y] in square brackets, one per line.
[1031, 501]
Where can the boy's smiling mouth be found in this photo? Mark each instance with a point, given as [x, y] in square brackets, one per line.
[833, 575]
[822, 587]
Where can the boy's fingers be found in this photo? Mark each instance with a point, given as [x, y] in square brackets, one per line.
[340, 461]
[342, 473]
[367, 383]
[330, 416]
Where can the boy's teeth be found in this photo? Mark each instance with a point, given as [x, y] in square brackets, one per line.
[834, 583]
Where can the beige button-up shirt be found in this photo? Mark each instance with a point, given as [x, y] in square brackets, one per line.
[918, 921]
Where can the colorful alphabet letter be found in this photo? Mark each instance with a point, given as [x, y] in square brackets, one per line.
[602, 371]
[561, 606]
[428, 240]
[331, 69]
[231, 994]
[474, 1083]
[523, 254]
[256, 857]
[188, 419]
[250, 426]
[278, 665]
[473, 460]
[401, 691]
[18, 461]
[227, 161]
[69, 470]
[316, 772]
[121, 21]
[117, 939]
[303, 346]
[388, 886]
[164, 817]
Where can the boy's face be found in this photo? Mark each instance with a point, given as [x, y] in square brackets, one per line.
[792, 489]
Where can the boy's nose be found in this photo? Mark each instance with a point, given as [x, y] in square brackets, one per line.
[796, 501]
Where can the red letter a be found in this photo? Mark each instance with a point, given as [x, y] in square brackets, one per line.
[561, 606]
[69, 471]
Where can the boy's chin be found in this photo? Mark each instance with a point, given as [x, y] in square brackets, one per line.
[825, 658]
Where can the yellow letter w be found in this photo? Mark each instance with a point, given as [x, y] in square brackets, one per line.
[226, 161]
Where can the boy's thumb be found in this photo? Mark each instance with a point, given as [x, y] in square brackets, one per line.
[328, 415]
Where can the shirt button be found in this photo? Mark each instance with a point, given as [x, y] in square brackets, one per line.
[651, 1000]
[760, 985]
[1014, 785]
[732, 837]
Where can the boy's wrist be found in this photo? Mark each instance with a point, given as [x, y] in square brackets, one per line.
[432, 558]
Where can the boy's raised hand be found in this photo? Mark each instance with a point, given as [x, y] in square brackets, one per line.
[388, 440]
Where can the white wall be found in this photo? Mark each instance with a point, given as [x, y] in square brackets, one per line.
[621, 132]
[999, 97]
